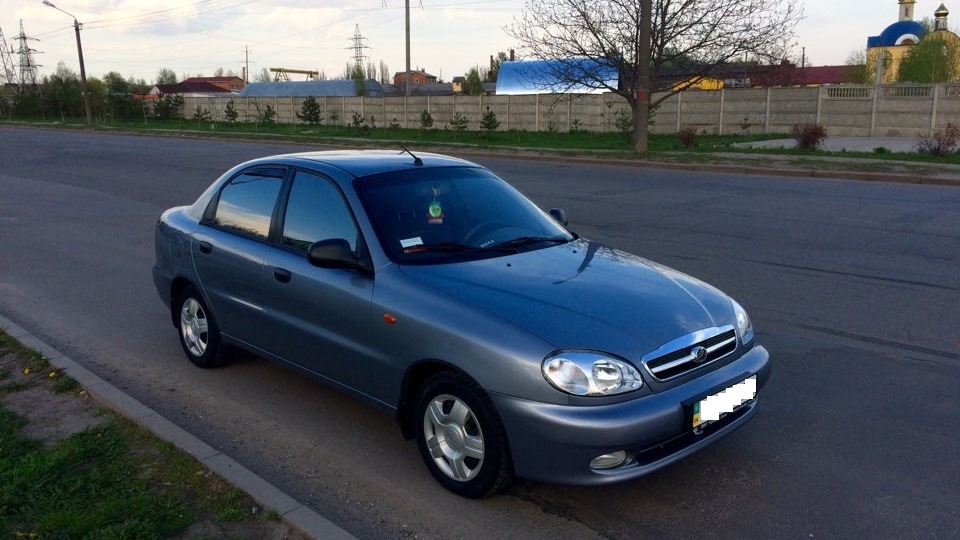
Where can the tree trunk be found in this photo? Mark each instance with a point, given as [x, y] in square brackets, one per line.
[641, 123]
[641, 105]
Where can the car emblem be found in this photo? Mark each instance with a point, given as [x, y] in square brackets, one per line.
[699, 354]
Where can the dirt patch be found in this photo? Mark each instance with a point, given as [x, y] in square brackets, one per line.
[51, 417]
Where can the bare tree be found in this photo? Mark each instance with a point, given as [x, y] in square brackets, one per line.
[584, 41]
[166, 76]
[857, 69]
[384, 73]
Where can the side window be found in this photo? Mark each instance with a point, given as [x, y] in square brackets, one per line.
[316, 211]
[246, 204]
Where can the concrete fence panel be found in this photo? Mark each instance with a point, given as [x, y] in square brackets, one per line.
[894, 110]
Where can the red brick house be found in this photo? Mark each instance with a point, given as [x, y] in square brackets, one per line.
[417, 77]
[228, 83]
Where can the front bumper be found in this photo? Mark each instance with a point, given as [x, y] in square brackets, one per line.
[555, 443]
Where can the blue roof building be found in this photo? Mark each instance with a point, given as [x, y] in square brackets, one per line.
[341, 88]
[899, 33]
[555, 77]
[897, 39]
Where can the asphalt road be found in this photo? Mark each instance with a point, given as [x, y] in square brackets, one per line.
[854, 288]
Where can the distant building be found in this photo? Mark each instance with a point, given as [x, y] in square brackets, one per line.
[553, 77]
[417, 77]
[188, 89]
[753, 75]
[893, 43]
[303, 89]
[230, 83]
[419, 90]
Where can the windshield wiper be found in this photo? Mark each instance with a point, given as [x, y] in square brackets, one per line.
[528, 240]
[464, 249]
[444, 247]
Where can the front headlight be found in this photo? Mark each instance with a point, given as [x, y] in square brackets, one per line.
[590, 374]
[744, 326]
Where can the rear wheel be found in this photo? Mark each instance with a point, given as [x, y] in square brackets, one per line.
[461, 437]
[199, 334]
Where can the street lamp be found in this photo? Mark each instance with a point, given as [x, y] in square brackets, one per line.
[83, 73]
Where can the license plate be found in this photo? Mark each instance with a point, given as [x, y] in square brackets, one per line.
[712, 408]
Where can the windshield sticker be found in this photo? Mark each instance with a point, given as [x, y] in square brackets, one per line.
[411, 242]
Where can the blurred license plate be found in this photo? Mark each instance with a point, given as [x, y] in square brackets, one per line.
[711, 408]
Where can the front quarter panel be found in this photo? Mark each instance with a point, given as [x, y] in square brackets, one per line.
[431, 326]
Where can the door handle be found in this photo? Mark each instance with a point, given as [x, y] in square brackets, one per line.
[205, 247]
[282, 275]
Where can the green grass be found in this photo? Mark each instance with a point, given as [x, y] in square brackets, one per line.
[608, 144]
[87, 486]
[115, 481]
[440, 134]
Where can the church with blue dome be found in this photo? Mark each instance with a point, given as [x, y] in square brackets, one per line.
[906, 31]
[895, 40]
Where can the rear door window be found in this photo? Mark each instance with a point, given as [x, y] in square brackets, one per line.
[247, 202]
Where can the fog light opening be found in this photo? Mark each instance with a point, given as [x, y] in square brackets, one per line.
[609, 461]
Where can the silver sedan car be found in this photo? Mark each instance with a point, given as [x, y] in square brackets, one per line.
[505, 344]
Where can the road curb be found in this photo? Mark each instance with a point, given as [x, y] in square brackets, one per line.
[560, 156]
[292, 512]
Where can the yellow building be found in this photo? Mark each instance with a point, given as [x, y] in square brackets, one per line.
[893, 43]
[698, 83]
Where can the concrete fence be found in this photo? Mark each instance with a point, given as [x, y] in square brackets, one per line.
[891, 111]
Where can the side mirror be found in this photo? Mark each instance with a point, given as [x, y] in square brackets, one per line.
[559, 215]
[334, 253]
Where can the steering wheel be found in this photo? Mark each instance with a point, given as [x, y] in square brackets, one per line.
[480, 231]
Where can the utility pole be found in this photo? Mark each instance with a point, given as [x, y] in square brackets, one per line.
[83, 73]
[407, 77]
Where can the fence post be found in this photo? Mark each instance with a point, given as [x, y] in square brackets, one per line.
[537, 108]
[873, 114]
[508, 113]
[723, 102]
[819, 102]
[679, 110]
[766, 114]
[936, 104]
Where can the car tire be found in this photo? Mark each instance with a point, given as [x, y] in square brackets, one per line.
[199, 333]
[461, 437]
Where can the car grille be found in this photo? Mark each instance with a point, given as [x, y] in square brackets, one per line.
[680, 356]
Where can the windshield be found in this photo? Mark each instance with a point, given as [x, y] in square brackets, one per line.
[439, 215]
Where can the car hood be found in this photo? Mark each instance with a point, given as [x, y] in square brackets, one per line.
[583, 295]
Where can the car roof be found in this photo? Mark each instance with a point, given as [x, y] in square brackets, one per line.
[367, 162]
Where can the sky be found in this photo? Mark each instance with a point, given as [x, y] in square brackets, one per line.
[195, 37]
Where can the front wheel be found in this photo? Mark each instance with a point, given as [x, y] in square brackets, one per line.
[199, 334]
[461, 437]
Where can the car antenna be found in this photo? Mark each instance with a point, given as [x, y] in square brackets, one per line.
[416, 161]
